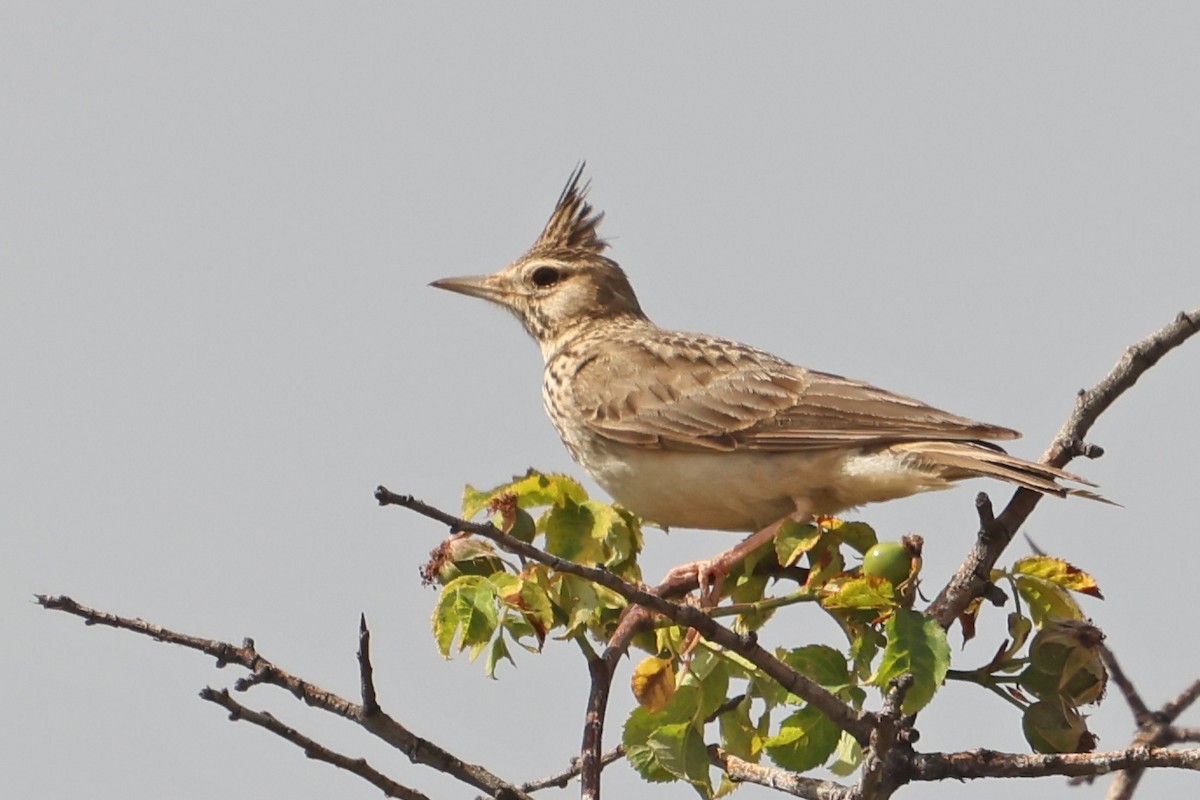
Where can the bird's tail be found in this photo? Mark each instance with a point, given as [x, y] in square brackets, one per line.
[957, 460]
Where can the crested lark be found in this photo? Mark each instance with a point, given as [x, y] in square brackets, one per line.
[695, 431]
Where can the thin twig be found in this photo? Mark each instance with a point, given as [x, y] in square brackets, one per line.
[1182, 702]
[380, 724]
[1141, 714]
[311, 748]
[560, 780]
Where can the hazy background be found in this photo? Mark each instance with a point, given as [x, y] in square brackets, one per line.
[217, 225]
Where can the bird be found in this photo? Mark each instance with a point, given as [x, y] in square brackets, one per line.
[695, 431]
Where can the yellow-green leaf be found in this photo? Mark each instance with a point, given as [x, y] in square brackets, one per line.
[533, 489]
[863, 591]
[466, 608]
[569, 534]
[1046, 600]
[1059, 572]
[794, 540]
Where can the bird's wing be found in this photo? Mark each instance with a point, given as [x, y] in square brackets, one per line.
[687, 392]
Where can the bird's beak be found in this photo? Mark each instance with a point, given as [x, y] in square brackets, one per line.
[483, 286]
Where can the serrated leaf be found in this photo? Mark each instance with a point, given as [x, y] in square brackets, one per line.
[533, 489]
[621, 533]
[805, 740]
[466, 608]
[680, 750]
[794, 540]
[916, 644]
[861, 591]
[1046, 600]
[849, 756]
[739, 736]
[859, 535]
[863, 649]
[820, 663]
[710, 674]
[825, 562]
[653, 683]
[635, 737]
[569, 530]
[1059, 572]
[576, 597]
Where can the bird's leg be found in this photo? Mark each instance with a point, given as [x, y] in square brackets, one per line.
[710, 574]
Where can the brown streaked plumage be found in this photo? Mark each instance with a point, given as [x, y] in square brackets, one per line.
[696, 431]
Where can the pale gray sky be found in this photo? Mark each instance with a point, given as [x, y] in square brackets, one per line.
[218, 226]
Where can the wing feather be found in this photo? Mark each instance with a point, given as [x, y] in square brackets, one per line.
[689, 392]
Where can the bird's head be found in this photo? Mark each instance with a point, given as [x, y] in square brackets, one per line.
[564, 282]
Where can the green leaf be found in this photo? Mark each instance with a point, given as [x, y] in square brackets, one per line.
[636, 738]
[1058, 572]
[663, 748]
[849, 756]
[709, 673]
[497, 651]
[1046, 600]
[739, 735]
[679, 749]
[805, 740]
[466, 607]
[859, 535]
[577, 597]
[917, 645]
[569, 531]
[819, 662]
[533, 489]
[863, 649]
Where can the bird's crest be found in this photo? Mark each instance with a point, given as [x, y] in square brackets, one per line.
[571, 229]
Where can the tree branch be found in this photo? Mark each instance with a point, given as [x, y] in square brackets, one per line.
[419, 750]
[990, 764]
[742, 771]
[311, 748]
[972, 575]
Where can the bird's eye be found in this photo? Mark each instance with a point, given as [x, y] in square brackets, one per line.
[545, 276]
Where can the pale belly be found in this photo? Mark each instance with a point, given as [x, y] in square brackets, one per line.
[746, 491]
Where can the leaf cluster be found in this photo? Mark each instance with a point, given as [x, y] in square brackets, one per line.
[691, 692]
